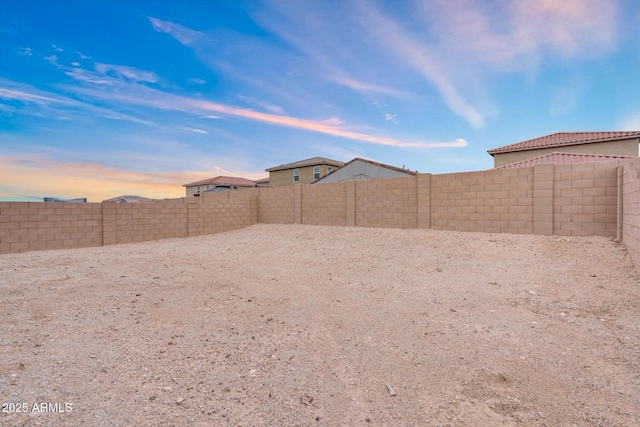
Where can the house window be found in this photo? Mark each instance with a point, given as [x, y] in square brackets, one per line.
[207, 187]
[198, 189]
[235, 187]
[316, 172]
[296, 175]
[329, 169]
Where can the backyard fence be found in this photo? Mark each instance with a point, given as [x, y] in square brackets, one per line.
[584, 199]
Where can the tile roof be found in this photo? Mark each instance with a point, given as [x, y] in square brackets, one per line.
[565, 138]
[561, 158]
[263, 180]
[382, 165]
[128, 199]
[224, 180]
[313, 161]
[363, 177]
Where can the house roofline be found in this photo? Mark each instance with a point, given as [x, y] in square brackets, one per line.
[407, 171]
[210, 181]
[312, 161]
[506, 149]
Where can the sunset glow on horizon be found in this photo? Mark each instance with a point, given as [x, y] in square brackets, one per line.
[100, 99]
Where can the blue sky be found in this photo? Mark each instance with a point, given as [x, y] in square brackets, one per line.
[103, 98]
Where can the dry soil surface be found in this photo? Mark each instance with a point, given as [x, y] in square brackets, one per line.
[277, 325]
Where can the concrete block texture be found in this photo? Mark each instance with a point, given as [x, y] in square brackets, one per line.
[562, 199]
[629, 211]
[324, 204]
[390, 203]
[277, 205]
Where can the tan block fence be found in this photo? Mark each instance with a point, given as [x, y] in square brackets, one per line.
[585, 199]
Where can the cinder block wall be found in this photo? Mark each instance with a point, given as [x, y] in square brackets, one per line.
[324, 204]
[225, 211]
[629, 176]
[579, 200]
[585, 199]
[30, 226]
[143, 221]
[495, 201]
[389, 203]
[276, 205]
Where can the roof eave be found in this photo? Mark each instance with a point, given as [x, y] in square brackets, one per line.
[564, 144]
[287, 167]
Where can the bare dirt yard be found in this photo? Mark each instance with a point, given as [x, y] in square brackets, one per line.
[290, 325]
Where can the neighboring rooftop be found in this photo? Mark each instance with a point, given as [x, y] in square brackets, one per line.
[359, 174]
[224, 180]
[220, 189]
[307, 162]
[128, 199]
[60, 199]
[565, 138]
[561, 158]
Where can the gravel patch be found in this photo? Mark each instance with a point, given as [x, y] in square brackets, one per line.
[323, 326]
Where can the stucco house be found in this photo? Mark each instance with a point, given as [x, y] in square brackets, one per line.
[302, 172]
[264, 182]
[622, 143]
[195, 188]
[362, 169]
[559, 158]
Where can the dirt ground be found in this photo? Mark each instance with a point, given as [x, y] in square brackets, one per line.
[289, 325]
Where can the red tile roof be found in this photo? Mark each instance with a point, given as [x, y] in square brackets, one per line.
[565, 138]
[561, 158]
[224, 180]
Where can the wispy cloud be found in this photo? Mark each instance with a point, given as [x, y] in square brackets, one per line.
[368, 87]
[127, 73]
[395, 40]
[181, 33]
[276, 109]
[104, 74]
[333, 126]
[197, 130]
[10, 90]
[242, 58]
[27, 94]
[196, 81]
[515, 35]
[313, 32]
[6, 109]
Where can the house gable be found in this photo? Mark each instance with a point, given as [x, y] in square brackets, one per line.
[361, 169]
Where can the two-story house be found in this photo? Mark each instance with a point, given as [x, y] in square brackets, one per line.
[302, 172]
